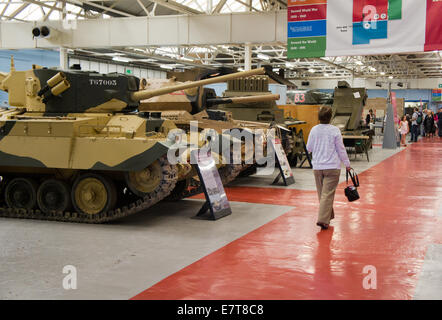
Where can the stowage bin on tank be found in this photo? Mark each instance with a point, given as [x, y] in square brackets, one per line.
[72, 149]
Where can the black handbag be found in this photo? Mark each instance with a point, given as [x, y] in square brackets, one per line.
[351, 192]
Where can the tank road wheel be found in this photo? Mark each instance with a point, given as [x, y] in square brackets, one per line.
[155, 182]
[93, 194]
[21, 193]
[145, 181]
[53, 195]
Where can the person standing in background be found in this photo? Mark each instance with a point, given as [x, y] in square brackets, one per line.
[414, 126]
[403, 128]
[369, 118]
[429, 124]
[439, 122]
[424, 132]
[328, 151]
[409, 122]
[434, 124]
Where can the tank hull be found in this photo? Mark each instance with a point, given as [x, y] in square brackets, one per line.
[93, 157]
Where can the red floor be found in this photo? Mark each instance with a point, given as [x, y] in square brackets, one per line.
[390, 228]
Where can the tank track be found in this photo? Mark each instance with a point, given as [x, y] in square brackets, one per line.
[230, 172]
[168, 184]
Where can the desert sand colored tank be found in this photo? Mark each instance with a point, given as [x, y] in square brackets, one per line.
[72, 147]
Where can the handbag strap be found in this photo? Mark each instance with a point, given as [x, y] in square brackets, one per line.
[354, 177]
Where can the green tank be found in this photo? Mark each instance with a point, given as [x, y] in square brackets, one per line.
[348, 105]
[73, 146]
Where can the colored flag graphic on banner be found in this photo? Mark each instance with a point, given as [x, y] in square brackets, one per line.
[318, 28]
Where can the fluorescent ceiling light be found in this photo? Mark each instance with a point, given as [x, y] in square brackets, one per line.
[263, 56]
[289, 64]
[390, 77]
[326, 74]
[311, 70]
[167, 66]
[147, 60]
[382, 73]
[121, 59]
[240, 69]
[359, 63]
[186, 59]
[112, 54]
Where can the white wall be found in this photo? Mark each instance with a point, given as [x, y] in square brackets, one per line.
[430, 83]
[107, 67]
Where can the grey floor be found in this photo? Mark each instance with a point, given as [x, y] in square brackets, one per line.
[116, 261]
[119, 260]
[429, 286]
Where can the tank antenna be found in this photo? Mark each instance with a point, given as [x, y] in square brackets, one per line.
[12, 63]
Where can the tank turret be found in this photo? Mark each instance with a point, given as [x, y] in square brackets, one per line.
[73, 91]
[256, 86]
[348, 104]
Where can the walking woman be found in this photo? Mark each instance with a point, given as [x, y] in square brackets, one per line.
[328, 151]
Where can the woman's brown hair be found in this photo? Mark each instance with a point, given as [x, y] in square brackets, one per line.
[325, 114]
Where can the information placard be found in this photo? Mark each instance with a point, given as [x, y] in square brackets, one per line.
[216, 199]
[282, 162]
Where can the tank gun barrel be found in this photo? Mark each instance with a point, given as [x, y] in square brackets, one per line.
[248, 99]
[146, 94]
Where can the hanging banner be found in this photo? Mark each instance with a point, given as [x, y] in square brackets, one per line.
[319, 28]
[436, 95]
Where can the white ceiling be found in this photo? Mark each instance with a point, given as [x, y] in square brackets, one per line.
[413, 65]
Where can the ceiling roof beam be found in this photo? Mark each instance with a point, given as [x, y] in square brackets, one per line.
[176, 6]
[247, 5]
[56, 8]
[46, 16]
[143, 7]
[5, 8]
[17, 11]
[99, 6]
[163, 58]
[337, 66]
[219, 6]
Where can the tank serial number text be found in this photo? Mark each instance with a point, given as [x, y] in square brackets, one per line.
[101, 82]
